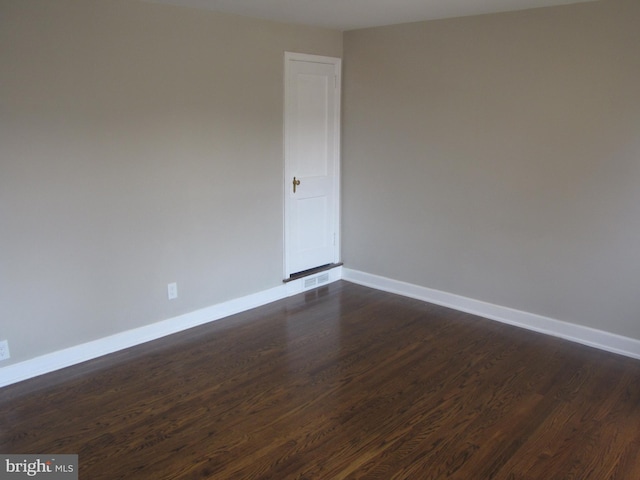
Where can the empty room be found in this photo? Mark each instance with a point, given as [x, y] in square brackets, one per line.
[278, 239]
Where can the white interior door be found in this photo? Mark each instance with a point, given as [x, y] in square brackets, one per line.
[312, 162]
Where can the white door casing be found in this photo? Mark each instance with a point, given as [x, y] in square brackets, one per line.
[312, 156]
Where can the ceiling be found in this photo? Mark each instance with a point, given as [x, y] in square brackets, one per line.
[352, 14]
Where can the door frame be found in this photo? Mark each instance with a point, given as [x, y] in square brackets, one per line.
[288, 174]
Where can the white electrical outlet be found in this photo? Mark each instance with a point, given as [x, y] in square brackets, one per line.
[4, 350]
[172, 291]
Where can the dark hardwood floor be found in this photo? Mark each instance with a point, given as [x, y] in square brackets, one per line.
[340, 382]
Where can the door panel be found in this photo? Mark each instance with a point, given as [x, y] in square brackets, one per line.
[312, 155]
[310, 129]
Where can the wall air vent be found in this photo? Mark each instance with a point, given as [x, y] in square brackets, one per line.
[311, 282]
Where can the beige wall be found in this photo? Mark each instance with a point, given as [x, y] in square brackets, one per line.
[495, 157]
[498, 157]
[140, 144]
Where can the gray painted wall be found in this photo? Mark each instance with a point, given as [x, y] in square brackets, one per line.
[140, 144]
[498, 157]
[495, 157]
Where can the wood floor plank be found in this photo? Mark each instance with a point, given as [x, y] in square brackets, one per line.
[342, 382]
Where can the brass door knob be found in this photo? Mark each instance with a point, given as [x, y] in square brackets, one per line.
[295, 184]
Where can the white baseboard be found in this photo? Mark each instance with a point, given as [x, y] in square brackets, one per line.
[81, 353]
[103, 346]
[569, 331]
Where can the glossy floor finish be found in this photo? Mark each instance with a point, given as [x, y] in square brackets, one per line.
[341, 382]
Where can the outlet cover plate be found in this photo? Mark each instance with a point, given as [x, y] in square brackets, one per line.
[4, 350]
[172, 291]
